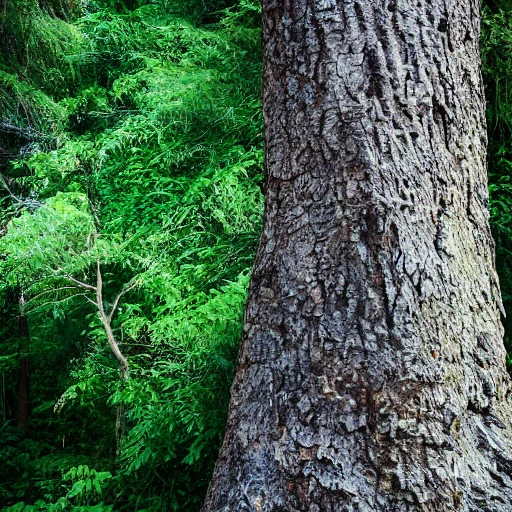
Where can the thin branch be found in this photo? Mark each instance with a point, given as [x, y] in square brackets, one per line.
[47, 278]
[37, 308]
[25, 133]
[118, 298]
[79, 283]
[99, 288]
[27, 202]
[114, 346]
[51, 291]
[88, 299]
[95, 215]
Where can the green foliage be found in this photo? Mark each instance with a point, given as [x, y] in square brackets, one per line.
[62, 504]
[178, 404]
[23, 105]
[52, 241]
[39, 47]
[497, 69]
[151, 164]
[87, 484]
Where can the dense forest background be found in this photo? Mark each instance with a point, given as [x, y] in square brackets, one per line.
[131, 152]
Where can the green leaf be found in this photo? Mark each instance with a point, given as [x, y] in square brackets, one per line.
[78, 488]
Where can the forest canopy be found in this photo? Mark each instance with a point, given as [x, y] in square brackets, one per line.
[131, 155]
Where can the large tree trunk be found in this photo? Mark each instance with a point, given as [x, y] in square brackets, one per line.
[371, 374]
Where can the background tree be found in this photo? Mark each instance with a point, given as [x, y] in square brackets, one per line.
[371, 374]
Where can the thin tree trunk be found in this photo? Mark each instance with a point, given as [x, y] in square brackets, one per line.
[23, 404]
[106, 321]
[23, 395]
[371, 375]
[4, 400]
[124, 374]
[124, 368]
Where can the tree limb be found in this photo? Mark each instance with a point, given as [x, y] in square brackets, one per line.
[50, 291]
[25, 133]
[80, 283]
[99, 288]
[118, 298]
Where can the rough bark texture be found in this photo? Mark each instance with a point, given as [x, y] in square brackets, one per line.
[371, 375]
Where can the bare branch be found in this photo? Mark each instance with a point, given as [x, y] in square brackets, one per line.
[80, 283]
[114, 346]
[88, 299]
[51, 291]
[99, 288]
[61, 301]
[118, 298]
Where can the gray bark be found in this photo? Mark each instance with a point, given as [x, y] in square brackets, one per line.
[371, 374]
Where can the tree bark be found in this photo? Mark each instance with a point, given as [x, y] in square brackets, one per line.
[371, 374]
[124, 368]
